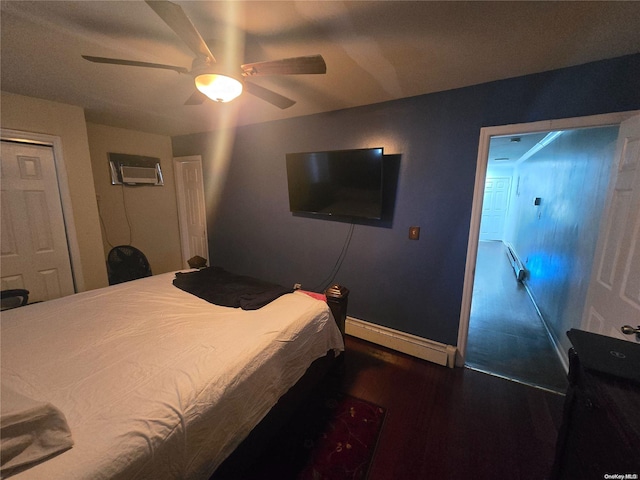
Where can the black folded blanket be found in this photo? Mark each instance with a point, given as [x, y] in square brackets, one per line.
[216, 285]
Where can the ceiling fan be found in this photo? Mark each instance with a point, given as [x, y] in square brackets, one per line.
[210, 80]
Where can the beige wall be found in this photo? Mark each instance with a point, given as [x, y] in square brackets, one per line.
[152, 211]
[68, 123]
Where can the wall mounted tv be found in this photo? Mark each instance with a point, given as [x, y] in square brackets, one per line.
[341, 183]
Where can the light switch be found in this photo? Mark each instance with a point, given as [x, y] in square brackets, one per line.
[414, 233]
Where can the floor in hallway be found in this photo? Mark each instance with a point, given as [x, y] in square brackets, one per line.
[506, 335]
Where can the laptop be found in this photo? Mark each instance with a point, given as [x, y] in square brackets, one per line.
[607, 355]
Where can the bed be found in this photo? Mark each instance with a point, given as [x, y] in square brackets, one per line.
[152, 381]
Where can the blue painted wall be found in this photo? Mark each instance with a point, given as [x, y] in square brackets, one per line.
[412, 286]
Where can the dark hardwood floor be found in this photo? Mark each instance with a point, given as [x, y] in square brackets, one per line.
[506, 335]
[451, 424]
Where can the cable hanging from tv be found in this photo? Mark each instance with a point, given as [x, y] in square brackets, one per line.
[322, 286]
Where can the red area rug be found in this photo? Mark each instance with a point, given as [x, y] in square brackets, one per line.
[333, 438]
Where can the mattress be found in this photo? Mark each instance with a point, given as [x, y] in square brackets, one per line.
[154, 382]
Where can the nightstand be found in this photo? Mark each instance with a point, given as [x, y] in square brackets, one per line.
[600, 433]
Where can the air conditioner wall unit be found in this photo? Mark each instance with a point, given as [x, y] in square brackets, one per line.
[135, 170]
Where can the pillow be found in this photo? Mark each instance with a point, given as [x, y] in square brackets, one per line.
[31, 431]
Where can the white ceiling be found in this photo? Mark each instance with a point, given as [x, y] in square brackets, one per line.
[375, 51]
[507, 150]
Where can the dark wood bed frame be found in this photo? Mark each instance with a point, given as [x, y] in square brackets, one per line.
[321, 369]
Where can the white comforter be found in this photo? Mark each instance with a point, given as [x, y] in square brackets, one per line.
[154, 382]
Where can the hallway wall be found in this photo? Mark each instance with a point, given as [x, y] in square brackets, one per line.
[556, 240]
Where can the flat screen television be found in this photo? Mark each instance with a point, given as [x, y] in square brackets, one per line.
[341, 183]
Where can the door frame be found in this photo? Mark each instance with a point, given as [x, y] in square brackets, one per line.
[55, 143]
[180, 201]
[478, 193]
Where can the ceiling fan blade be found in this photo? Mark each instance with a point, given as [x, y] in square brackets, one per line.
[313, 64]
[133, 63]
[197, 98]
[174, 16]
[268, 95]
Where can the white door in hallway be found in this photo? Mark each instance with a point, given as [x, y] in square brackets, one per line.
[613, 299]
[494, 207]
[192, 215]
[34, 248]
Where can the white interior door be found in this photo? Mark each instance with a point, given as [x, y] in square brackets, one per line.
[494, 207]
[613, 299]
[34, 249]
[192, 215]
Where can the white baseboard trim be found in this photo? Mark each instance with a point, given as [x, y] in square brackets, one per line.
[555, 343]
[402, 342]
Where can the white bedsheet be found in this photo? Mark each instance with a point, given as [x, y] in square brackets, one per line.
[154, 382]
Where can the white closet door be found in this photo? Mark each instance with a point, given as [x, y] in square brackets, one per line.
[34, 250]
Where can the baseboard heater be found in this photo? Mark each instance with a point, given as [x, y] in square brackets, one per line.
[402, 342]
[515, 262]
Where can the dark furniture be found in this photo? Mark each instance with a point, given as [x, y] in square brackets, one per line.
[600, 433]
[15, 297]
[337, 299]
[125, 263]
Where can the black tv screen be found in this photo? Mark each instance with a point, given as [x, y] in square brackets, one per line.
[343, 183]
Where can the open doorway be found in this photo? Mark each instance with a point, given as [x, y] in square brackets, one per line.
[540, 220]
[537, 231]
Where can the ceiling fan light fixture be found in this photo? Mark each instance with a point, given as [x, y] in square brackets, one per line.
[219, 87]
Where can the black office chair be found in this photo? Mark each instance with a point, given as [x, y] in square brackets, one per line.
[125, 263]
[16, 297]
